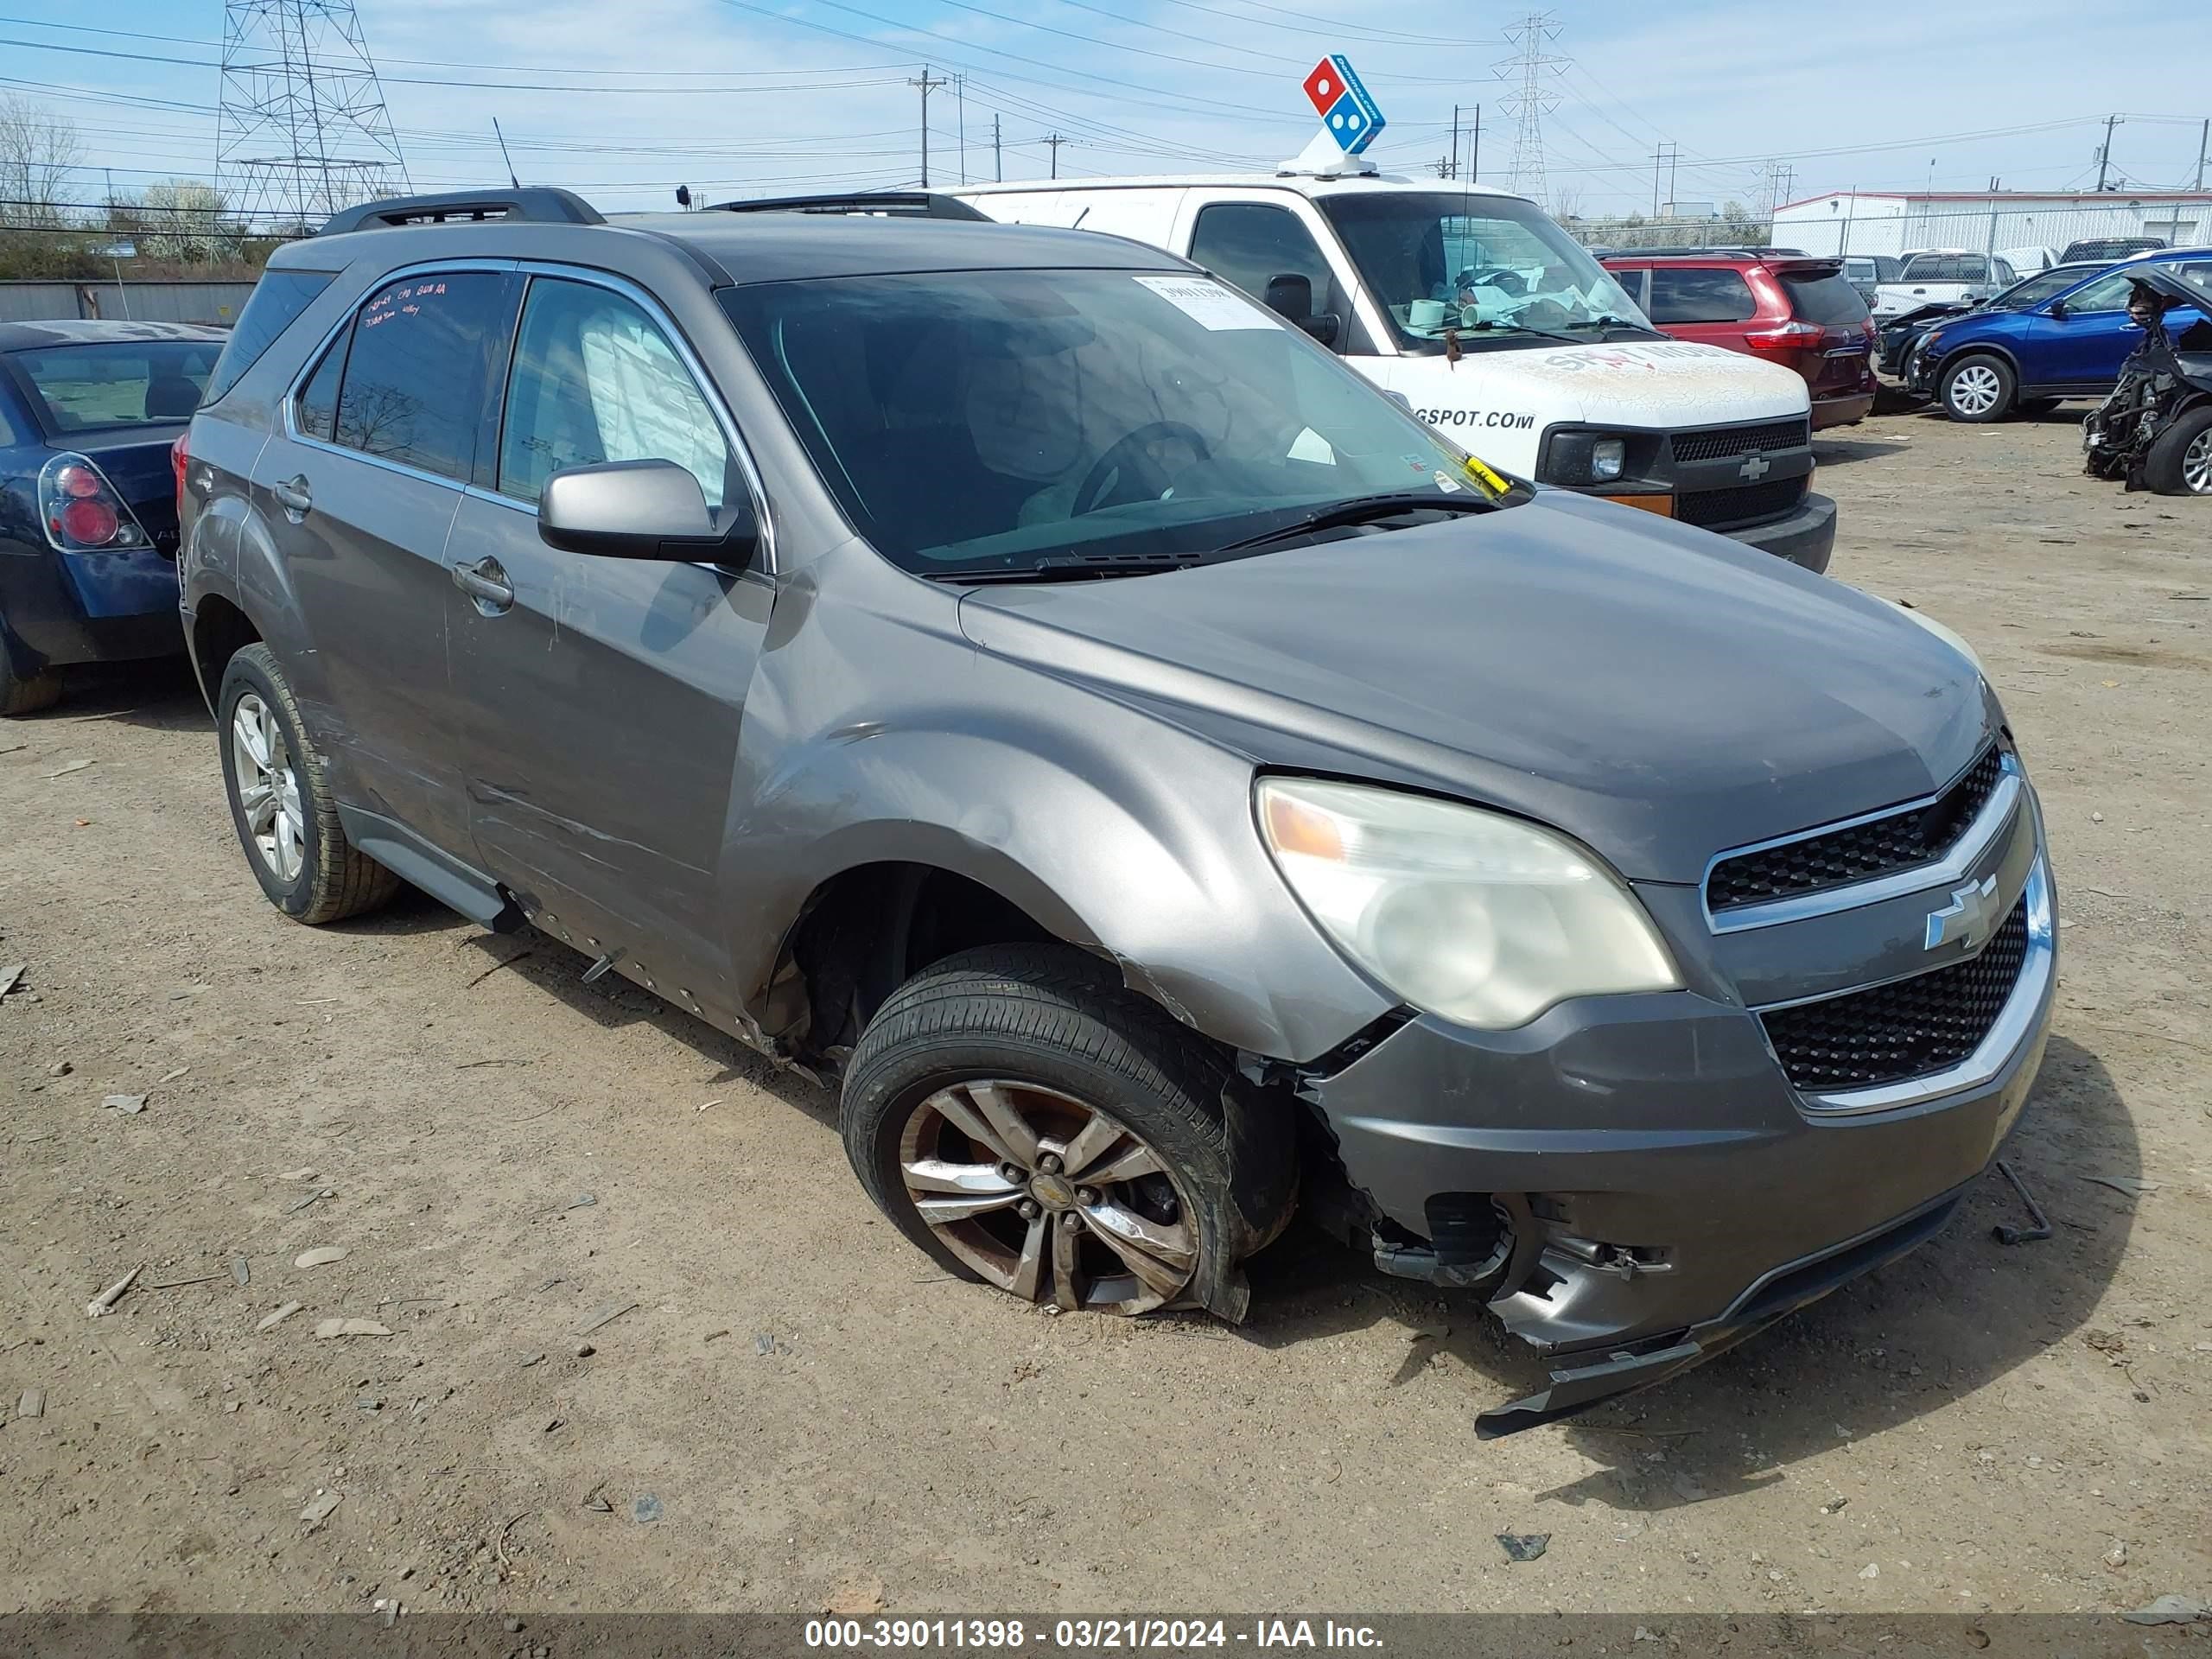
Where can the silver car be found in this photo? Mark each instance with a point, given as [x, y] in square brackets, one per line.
[1029, 686]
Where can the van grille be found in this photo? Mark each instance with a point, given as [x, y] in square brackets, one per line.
[1740, 504]
[1721, 443]
[1901, 841]
[1903, 1030]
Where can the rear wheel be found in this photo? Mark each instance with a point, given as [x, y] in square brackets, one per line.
[1034, 1125]
[25, 694]
[1977, 389]
[2180, 462]
[281, 802]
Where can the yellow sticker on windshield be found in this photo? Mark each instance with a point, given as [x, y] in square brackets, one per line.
[1494, 482]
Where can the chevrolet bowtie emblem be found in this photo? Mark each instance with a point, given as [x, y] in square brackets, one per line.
[1755, 468]
[1969, 918]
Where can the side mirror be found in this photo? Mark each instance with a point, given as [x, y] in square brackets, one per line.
[1290, 296]
[1324, 325]
[2058, 310]
[643, 510]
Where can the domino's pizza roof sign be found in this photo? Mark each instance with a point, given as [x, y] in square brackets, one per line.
[1348, 116]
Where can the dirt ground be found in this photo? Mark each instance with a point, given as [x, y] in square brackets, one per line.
[798, 1411]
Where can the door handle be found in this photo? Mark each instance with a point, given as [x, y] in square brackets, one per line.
[486, 583]
[292, 494]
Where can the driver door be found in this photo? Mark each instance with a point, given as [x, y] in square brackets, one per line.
[1253, 239]
[601, 696]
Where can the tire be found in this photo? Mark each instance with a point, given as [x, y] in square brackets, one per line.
[1050, 1035]
[25, 694]
[302, 860]
[1977, 389]
[2180, 461]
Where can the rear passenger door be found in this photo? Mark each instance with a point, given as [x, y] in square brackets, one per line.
[1711, 304]
[600, 697]
[359, 488]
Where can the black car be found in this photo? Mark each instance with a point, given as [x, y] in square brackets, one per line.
[88, 412]
[2103, 250]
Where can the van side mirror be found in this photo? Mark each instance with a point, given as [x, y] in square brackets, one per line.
[643, 510]
[1291, 296]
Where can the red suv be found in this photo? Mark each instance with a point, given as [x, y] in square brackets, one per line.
[1796, 311]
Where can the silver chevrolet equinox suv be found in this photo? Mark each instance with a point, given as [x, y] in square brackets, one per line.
[1036, 690]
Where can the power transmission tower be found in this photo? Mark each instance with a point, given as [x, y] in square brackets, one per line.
[302, 129]
[1534, 69]
[1055, 141]
[928, 85]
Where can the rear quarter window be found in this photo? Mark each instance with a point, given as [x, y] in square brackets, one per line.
[277, 300]
[1700, 295]
[1827, 300]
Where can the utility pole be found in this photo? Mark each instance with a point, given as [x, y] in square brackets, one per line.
[1475, 150]
[1674, 161]
[2203, 138]
[960, 101]
[1657, 157]
[1454, 173]
[1531, 72]
[928, 85]
[998, 166]
[1055, 141]
[2104, 154]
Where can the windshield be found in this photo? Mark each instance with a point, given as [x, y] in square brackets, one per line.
[1481, 267]
[128, 383]
[999, 421]
[2031, 291]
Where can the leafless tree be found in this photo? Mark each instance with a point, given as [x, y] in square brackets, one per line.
[178, 219]
[38, 152]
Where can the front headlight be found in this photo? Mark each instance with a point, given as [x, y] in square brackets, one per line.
[1479, 918]
[1606, 457]
[1583, 458]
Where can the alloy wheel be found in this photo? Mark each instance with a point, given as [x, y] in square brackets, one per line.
[2197, 464]
[1974, 389]
[1047, 1198]
[269, 788]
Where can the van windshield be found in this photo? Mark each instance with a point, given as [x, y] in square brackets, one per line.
[1013, 420]
[1486, 269]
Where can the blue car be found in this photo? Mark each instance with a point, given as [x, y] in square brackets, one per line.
[1986, 364]
[88, 528]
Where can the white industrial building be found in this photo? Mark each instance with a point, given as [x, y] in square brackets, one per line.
[1987, 221]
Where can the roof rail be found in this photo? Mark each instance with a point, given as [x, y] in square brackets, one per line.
[896, 204]
[537, 205]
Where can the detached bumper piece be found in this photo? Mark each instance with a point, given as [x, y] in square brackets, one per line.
[1589, 1380]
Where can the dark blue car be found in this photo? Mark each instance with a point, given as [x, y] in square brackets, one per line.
[88, 528]
[1986, 364]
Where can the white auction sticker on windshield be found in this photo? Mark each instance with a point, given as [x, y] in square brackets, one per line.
[1207, 303]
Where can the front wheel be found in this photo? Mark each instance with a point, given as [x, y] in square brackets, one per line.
[1977, 390]
[2180, 461]
[1033, 1124]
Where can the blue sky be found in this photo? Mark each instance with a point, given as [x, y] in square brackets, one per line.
[748, 96]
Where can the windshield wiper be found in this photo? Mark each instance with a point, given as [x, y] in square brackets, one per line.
[1073, 566]
[1609, 320]
[1362, 510]
[1491, 326]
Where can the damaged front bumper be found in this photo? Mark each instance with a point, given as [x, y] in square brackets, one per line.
[1634, 1185]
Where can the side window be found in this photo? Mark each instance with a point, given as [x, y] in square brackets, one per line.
[314, 411]
[1249, 244]
[277, 300]
[2108, 292]
[413, 388]
[595, 380]
[1680, 295]
[1636, 284]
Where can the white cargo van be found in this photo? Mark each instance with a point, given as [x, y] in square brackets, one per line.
[1495, 326]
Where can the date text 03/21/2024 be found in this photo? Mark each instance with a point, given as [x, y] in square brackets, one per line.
[1264, 1635]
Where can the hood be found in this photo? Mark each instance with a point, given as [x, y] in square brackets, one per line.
[1658, 692]
[1664, 384]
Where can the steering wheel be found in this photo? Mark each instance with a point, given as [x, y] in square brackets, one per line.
[1497, 276]
[1121, 458]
